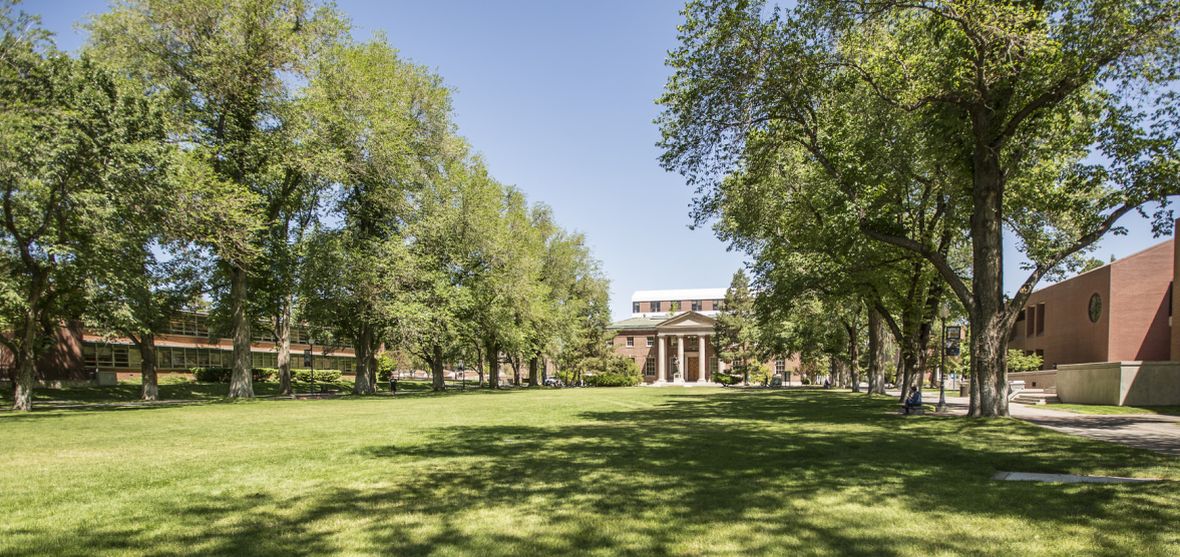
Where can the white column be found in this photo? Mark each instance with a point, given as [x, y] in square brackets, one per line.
[680, 357]
[663, 361]
[702, 342]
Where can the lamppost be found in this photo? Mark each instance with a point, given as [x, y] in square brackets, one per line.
[308, 362]
[462, 377]
[950, 347]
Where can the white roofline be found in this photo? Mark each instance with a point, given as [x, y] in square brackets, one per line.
[678, 294]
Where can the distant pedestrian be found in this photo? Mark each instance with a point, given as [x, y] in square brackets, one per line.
[913, 402]
[393, 384]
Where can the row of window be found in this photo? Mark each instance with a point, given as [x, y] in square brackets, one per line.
[690, 343]
[695, 305]
[197, 325]
[650, 367]
[101, 355]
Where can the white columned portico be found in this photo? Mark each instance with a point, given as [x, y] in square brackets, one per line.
[680, 367]
[702, 342]
[663, 361]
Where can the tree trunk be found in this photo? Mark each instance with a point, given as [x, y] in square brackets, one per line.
[150, 389]
[876, 353]
[283, 327]
[854, 357]
[25, 359]
[515, 371]
[479, 370]
[493, 366]
[362, 383]
[437, 381]
[989, 338]
[241, 383]
[534, 379]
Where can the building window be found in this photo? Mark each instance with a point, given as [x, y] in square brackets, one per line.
[713, 365]
[1030, 324]
[649, 366]
[696, 305]
[691, 345]
[655, 306]
[1040, 319]
[634, 307]
[718, 305]
[630, 342]
[651, 341]
[1095, 308]
[780, 366]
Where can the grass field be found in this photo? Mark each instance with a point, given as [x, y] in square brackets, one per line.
[575, 471]
[1114, 410]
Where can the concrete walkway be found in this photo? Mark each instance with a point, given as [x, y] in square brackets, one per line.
[1146, 431]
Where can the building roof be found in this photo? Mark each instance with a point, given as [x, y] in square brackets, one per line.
[638, 323]
[678, 294]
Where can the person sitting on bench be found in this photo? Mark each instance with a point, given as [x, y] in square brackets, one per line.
[913, 402]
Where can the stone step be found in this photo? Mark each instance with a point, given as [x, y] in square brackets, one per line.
[1036, 398]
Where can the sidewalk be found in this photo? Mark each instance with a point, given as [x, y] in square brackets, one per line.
[1145, 431]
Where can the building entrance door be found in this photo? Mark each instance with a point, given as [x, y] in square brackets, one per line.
[692, 369]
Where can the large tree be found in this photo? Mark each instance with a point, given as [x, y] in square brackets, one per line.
[389, 122]
[75, 149]
[737, 339]
[1050, 120]
[229, 69]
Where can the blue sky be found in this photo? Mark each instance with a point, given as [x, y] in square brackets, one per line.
[559, 99]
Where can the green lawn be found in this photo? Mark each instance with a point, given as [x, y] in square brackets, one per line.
[184, 390]
[1115, 410]
[573, 472]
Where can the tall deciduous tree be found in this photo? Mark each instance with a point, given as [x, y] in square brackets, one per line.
[229, 69]
[74, 147]
[1051, 120]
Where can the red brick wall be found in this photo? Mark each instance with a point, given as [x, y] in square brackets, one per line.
[1139, 305]
[1068, 336]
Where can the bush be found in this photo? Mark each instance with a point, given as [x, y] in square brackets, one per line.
[385, 367]
[1019, 361]
[223, 374]
[212, 374]
[613, 371]
[320, 375]
[726, 379]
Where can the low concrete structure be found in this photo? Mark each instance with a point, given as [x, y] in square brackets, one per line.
[1046, 379]
[1120, 383]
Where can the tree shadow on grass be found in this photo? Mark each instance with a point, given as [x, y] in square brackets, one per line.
[789, 473]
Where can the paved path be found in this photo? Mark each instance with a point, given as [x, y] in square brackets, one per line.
[1146, 431]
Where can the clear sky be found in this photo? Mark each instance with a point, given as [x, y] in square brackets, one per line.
[559, 98]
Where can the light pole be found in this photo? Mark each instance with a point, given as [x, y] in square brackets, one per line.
[942, 374]
[462, 377]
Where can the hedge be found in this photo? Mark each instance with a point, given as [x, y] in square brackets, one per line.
[263, 375]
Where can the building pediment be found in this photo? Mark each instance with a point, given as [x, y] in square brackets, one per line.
[687, 321]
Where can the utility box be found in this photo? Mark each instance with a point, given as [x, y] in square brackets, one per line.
[107, 378]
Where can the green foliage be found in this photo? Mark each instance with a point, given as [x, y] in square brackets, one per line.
[612, 371]
[318, 375]
[1019, 361]
[212, 374]
[737, 339]
[386, 367]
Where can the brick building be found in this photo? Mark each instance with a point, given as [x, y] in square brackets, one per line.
[187, 343]
[670, 335]
[1117, 312]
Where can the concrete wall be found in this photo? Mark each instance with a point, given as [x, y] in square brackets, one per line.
[1035, 379]
[1131, 383]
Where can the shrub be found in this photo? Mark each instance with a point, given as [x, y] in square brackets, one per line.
[385, 367]
[320, 375]
[265, 374]
[726, 379]
[212, 374]
[1019, 361]
[612, 371]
